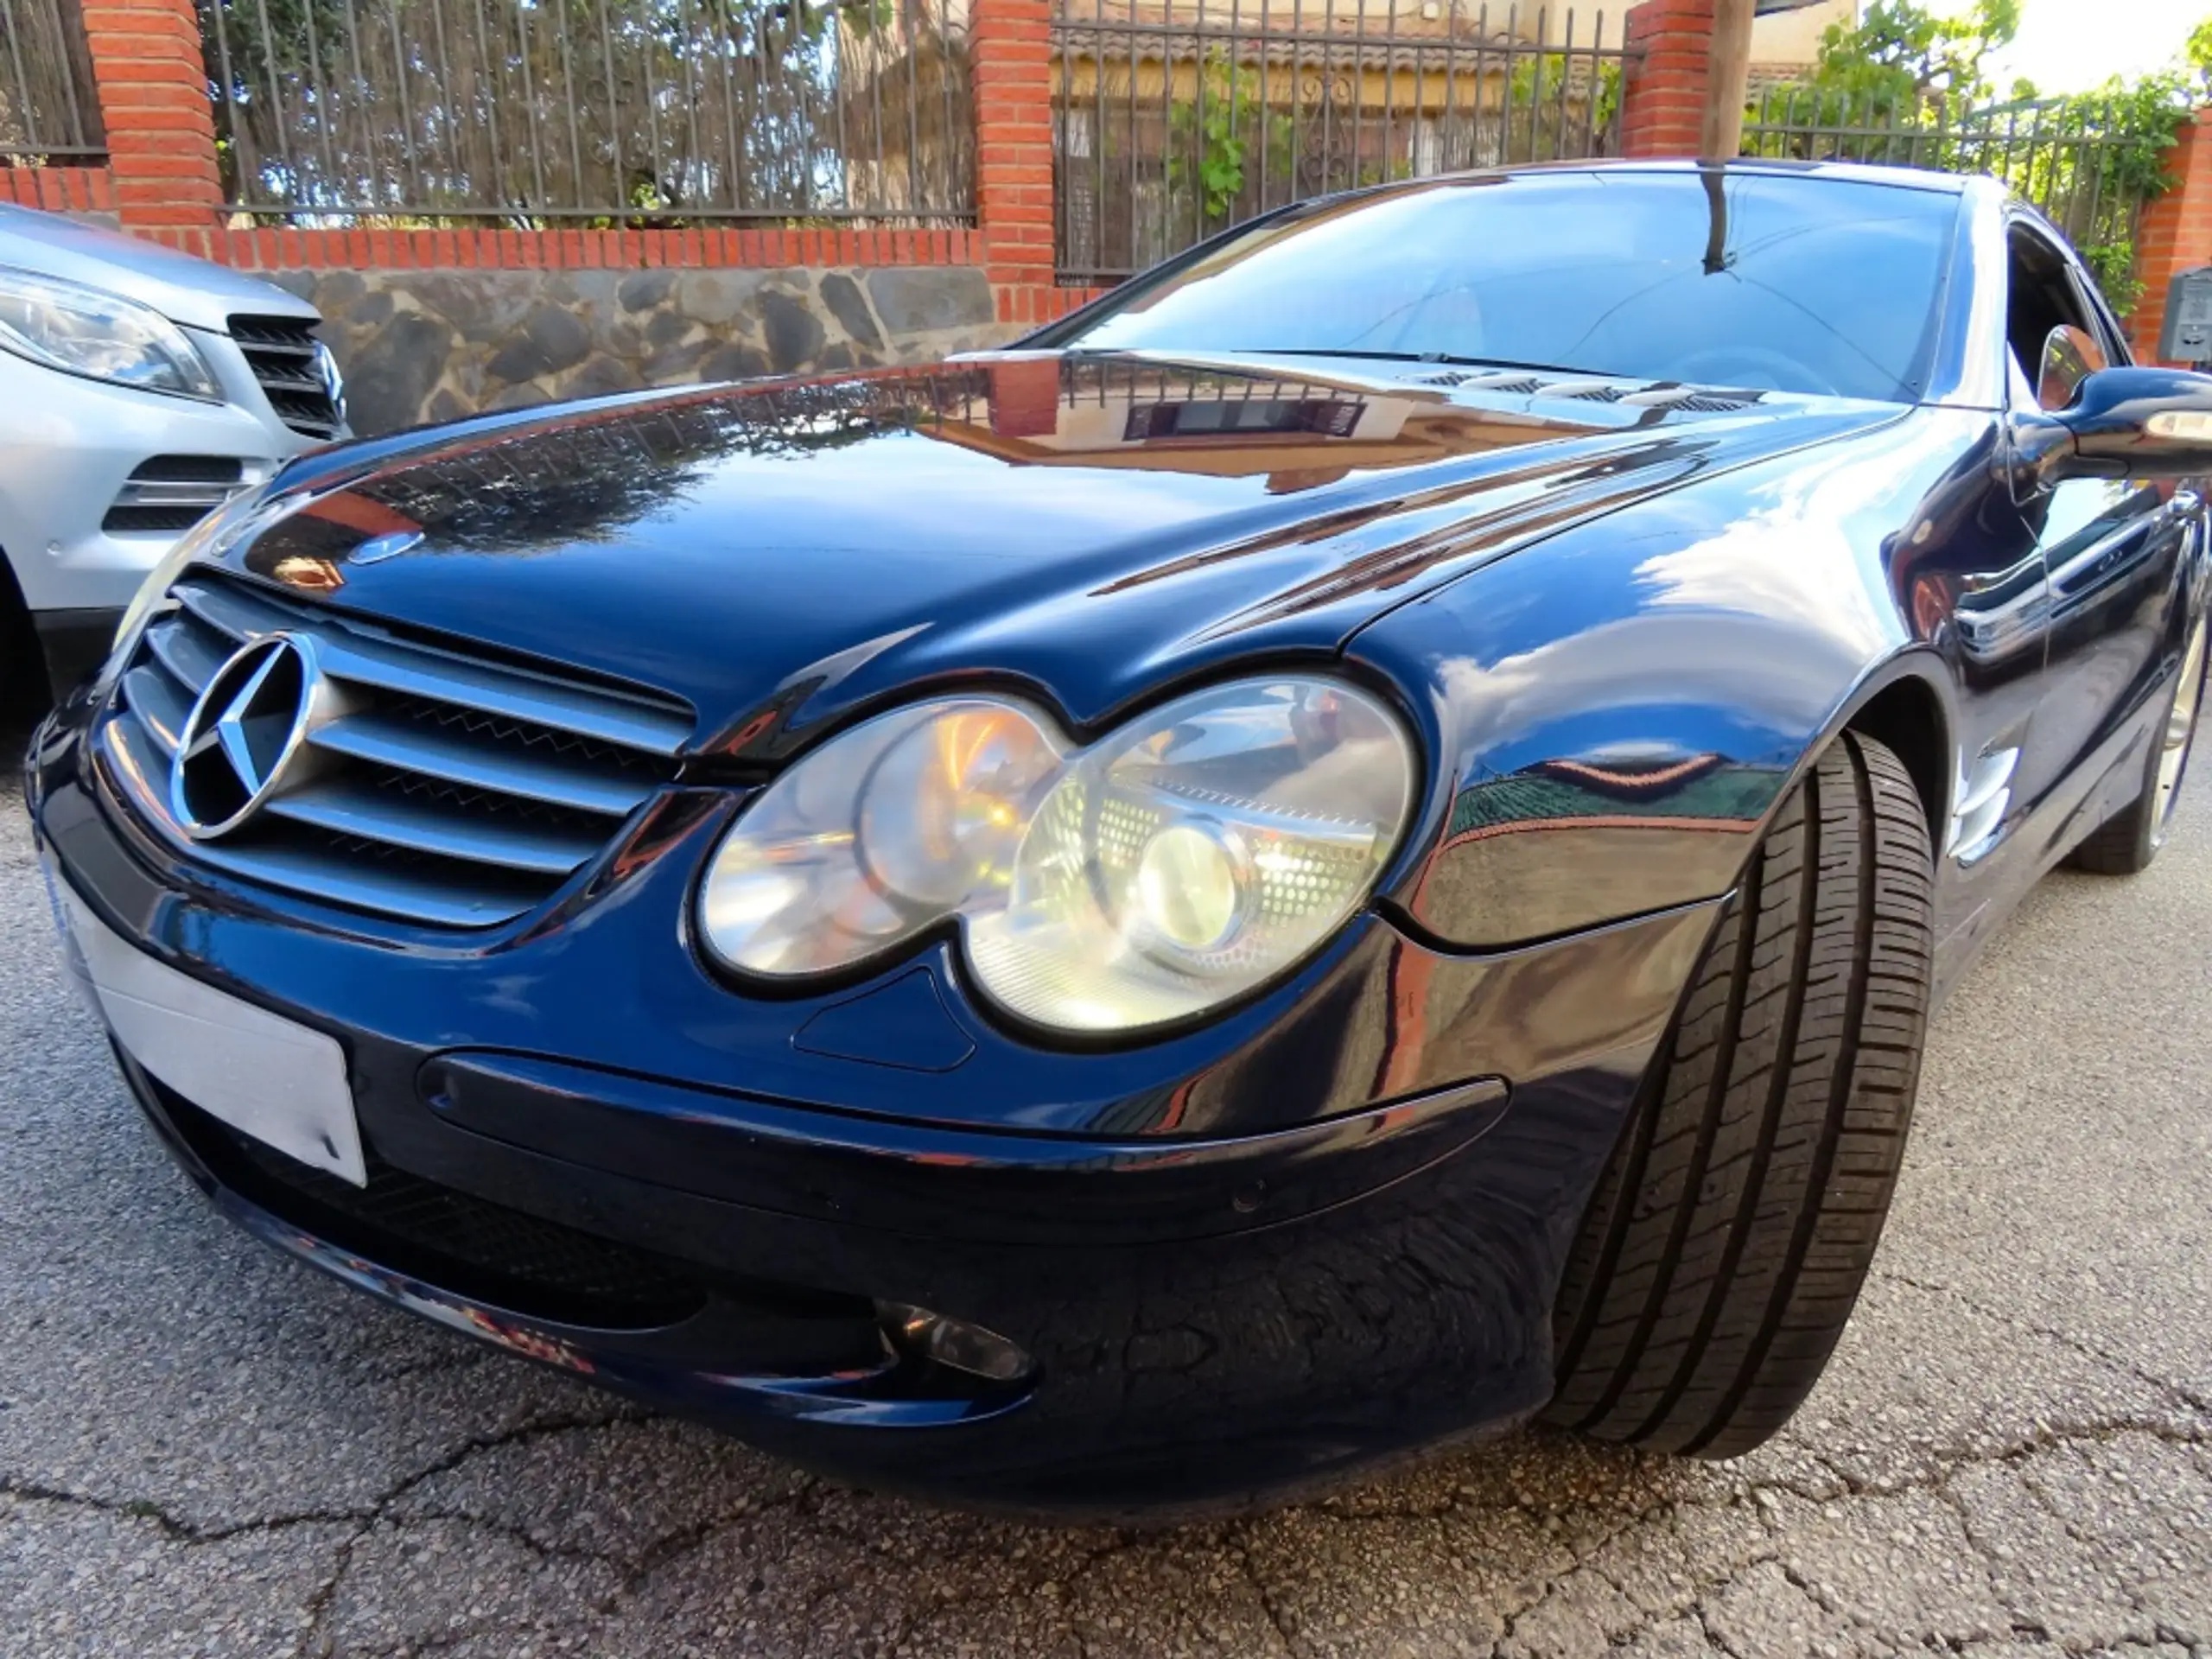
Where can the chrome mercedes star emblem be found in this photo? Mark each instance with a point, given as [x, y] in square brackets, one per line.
[246, 733]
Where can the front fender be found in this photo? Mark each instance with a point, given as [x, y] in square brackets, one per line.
[1615, 714]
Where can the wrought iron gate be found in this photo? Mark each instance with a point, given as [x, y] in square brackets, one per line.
[1173, 119]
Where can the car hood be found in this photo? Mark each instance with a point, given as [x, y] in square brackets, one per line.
[779, 552]
[184, 289]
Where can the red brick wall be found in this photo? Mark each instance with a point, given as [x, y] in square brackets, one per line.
[2176, 233]
[1011, 48]
[1662, 105]
[153, 94]
[278, 248]
[59, 189]
[164, 183]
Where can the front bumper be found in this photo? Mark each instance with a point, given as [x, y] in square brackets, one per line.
[72, 443]
[74, 643]
[1233, 1280]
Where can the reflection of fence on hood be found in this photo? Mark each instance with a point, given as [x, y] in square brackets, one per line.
[595, 472]
[1175, 118]
[519, 489]
[609, 111]
[49, 110]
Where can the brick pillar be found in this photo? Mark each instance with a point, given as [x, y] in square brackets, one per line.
[2177, 231]
[160, 128]
[1010, 51]
[1662, 101]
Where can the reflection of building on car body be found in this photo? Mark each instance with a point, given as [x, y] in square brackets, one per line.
[1348, 846]
[140, 389]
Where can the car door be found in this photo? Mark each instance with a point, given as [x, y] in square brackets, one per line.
[2112, 548]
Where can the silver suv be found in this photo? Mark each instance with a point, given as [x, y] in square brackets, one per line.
[140, 389]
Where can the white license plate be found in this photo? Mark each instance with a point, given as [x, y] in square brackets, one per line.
[262, 1074]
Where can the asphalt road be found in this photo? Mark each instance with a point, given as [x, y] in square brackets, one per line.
[207, 1450]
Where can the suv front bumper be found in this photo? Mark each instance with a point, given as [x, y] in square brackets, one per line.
[72, 444]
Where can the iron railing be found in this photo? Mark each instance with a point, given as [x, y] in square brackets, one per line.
[48, 110]
[1173, 119]
[613, 111]
[2076, 160]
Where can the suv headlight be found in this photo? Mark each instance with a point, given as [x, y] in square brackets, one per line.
[100, 335]
[1192, 854]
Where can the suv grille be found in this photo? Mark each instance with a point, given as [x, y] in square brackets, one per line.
[449, 790]
[173, 493]
[287, 359]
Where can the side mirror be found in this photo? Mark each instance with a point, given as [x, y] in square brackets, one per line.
[2070, 355]
[2130, 423]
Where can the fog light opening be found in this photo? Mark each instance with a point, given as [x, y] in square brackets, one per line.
[954, 1343]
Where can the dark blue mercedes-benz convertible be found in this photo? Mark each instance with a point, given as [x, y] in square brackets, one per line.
[1351, 846]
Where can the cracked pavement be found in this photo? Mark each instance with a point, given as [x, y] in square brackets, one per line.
[207, 1449]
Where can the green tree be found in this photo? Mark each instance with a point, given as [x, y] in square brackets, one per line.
[1217, 144]
[1905, 85]
[1899, 50]
[2197, 53]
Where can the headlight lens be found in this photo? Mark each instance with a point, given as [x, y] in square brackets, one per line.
[1196, 852]
[87, 330]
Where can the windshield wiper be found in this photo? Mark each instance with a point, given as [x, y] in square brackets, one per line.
[1444, 359]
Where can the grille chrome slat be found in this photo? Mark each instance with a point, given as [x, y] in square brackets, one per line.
[410, 747]
[392, 665]
[441, 789]
[161, 708]
[350, 809]
[277, 379]
[190, 660]
[286, 359]
[232, 611]
[443, 901]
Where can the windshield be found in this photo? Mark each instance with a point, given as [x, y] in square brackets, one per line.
[1792, 283]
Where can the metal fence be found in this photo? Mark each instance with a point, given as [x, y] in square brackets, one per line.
[1172, 119]
[48, 110]
[2076, 160]
[854, 113]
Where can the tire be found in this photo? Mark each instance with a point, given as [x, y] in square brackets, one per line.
[23, 693]
[1734, 1224]
[2126, 842]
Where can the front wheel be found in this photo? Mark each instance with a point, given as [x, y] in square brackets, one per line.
[1734, 1226]
[2126, 842]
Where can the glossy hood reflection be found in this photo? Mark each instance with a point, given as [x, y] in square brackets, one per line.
[777, 551]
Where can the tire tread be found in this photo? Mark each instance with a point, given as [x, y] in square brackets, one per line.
[1734, 1224]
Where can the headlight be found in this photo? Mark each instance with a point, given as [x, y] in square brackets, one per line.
[89, 332]
[1196, 852]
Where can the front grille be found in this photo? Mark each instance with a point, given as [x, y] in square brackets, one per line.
[171, 493]
[287, 360]
[448, 790]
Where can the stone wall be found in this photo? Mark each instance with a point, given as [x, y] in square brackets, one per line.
[419, 346]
